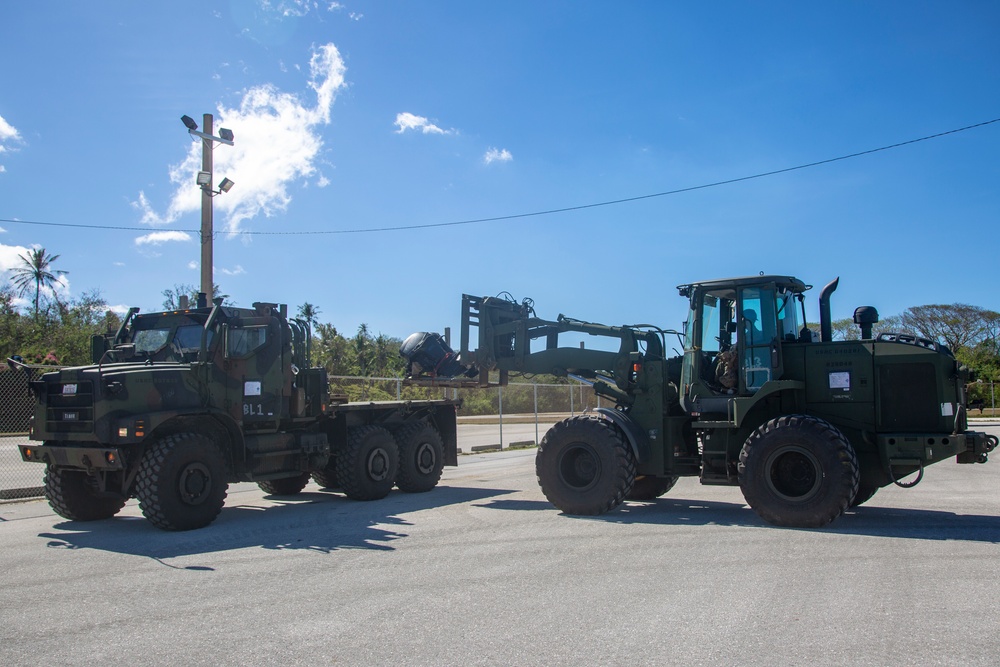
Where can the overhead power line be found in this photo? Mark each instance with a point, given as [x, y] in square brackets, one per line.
[516, 216]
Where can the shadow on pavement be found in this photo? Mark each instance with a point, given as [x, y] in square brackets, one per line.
[872, 521]
[315, 521]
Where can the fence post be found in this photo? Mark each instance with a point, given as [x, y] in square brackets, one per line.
[572, 410]
[535, 385]
[500, 393]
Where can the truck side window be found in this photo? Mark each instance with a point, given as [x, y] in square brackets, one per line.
[241, 342]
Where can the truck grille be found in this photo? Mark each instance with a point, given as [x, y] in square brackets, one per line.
[69, 407]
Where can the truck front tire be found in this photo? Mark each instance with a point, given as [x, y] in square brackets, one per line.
[421, 457]
[181, 483]
[798, 471]
[366, 469]
[72, 496]
[584, 466]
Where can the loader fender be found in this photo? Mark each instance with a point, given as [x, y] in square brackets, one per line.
[633, 432]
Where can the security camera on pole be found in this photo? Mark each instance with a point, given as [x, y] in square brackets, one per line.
[205, 181]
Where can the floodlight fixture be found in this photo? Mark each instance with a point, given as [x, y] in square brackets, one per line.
[204, 178]
[226, 135]
[189, 122]
[226, 185]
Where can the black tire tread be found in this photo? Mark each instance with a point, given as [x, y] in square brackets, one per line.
[409, 479]
[351, 476]
[622, 464]
[149, 485]
[648, 487]
[841, 494]
[285, 486]
[68, 495]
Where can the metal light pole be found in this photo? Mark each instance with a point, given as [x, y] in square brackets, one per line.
[205, 176]
[207, 280]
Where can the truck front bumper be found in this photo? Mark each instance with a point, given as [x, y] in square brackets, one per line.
[83, 458]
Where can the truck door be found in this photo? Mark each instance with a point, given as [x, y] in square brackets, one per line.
[254, 356]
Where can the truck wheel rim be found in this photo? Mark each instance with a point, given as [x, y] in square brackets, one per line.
[378, 465]
[426, 459]
[793, 474]
[195, 483]
[579, 467]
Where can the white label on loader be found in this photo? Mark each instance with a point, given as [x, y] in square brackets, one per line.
[840, 380]
[947, 410]
[251, 388]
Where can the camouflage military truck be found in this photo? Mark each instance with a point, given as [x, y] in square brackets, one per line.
[178, 405]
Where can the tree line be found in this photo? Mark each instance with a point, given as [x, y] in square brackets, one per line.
[48, 330]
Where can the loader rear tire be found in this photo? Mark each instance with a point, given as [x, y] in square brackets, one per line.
[584, 466]
[648, 487]
[286, 486]
[366, 469]
[421, 457]
[73, 497]
[798, 471]
[326, 478]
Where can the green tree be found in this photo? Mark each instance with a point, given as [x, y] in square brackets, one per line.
[958, 325]
[309, 313]
[36, 271]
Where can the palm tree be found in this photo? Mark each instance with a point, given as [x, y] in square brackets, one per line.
[36, 271]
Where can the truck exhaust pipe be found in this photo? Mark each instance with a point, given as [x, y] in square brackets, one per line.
[825, 321]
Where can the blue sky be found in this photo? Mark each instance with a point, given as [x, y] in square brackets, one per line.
[354, 116]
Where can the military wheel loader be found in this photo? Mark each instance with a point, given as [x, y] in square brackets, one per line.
[805, 425]
[177, 405]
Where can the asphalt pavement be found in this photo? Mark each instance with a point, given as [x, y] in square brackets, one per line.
[484, 571]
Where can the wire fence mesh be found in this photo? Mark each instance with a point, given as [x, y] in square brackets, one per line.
[517, 403]
[17, 479]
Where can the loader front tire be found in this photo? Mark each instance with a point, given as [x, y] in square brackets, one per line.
[798, 471]
[584, 466]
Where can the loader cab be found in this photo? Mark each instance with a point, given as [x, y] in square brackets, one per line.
[733, 337]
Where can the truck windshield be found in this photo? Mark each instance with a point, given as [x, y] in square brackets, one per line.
[150, 340]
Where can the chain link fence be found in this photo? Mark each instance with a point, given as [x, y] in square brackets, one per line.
[17, 479]
[515, 403]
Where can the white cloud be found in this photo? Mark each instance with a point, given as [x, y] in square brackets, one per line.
[408, 121]
[277, 142]
[158, 238]
[10, 256]
[497, 155]
[193, 265]
[8, 136]
[239, 270]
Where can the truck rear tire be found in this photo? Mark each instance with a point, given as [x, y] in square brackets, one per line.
[181, 483]
[584, 466]
[72, 496]
[864, 494]
[286, 486]
[798, 471]
[326, 478]
[648, 487]
[366, 469]
[421, 457]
